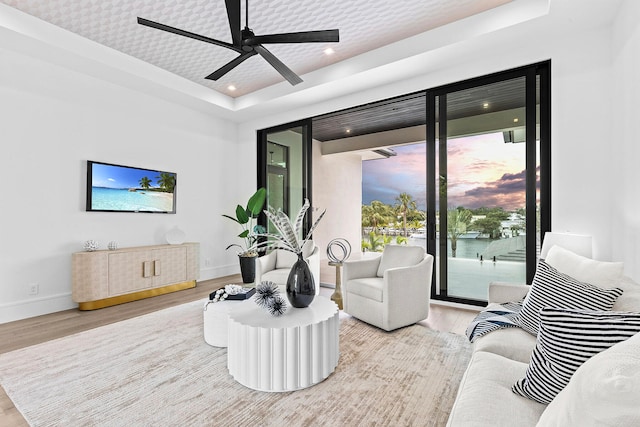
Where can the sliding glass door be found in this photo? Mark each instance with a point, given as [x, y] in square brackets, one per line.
[484, 150]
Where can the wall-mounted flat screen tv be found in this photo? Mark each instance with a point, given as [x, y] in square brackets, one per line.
[117, 188]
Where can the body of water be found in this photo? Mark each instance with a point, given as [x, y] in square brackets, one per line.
[113, 199]
[467, 248]
[470, 278]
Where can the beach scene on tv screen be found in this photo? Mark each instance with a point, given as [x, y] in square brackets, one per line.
[120, 188]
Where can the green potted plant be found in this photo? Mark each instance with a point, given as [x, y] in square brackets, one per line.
[246, 217]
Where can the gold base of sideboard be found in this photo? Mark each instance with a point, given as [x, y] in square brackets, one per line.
[148, 293]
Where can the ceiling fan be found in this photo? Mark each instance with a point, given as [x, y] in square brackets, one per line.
[247, 44]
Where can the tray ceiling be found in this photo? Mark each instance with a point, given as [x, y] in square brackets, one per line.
[364, 26]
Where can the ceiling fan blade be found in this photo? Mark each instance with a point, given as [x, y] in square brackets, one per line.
[233, 13]
[230, 66]
[184, 33]
[286, 72]
[300, 37]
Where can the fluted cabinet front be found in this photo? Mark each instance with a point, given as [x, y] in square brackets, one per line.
[291, 352]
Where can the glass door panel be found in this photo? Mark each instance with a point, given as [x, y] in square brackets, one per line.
[284, 168]
[277, 178]
[480, 173]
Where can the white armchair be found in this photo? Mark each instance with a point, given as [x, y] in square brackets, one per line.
[276, 265]
[389, 291]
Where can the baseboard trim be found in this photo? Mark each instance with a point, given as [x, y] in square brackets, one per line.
[222, 271]
[33, 307]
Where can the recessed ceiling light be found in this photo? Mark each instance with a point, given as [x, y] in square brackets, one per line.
[231, 88]
[515, 120]
[348, 130]
[329, 51]
[485, 105]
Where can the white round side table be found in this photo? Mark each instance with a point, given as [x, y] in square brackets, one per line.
[216, 319]
[291, 352]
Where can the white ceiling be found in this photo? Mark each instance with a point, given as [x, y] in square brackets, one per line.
[364, 26]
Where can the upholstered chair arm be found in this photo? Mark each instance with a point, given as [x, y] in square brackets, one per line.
[358, 269]
[314, 265]
[501, 292]
[407, 291]
[407, 283]
[264, 264]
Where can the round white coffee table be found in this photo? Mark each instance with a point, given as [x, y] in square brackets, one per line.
[286, 353]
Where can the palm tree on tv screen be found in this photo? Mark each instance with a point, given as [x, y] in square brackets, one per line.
[145, 183]
[167, 182]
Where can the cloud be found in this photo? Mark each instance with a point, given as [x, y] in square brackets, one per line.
[508, 192]
[385, 179]
[475, 169]
[111, 179]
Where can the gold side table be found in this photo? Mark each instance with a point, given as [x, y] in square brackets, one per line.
[337, 294]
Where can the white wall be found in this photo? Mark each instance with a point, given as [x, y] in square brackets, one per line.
[337, 187]
[622, 139]
[53, 120]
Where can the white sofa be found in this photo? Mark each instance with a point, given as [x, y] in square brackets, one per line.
[276, 266]
[605, 390]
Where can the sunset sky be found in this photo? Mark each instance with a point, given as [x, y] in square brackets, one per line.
[482, 171]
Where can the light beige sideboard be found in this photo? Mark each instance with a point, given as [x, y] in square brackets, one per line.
[104, 278]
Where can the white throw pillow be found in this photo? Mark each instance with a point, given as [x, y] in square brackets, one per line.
[630, 299]
[286, 259]
[394, 256]
[602, 392]
[599, 273]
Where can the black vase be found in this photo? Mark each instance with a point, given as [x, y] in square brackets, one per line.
[301, 288]
[248, 268]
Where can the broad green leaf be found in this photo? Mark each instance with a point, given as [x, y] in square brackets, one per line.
[241, 214]
[255, 203]
[230, 217]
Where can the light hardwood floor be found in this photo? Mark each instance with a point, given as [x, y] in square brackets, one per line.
[24, 333]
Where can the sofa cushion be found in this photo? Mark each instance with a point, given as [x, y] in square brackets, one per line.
[602, 392]
[599, 273]
[550, 288]
[485, 397]
[369, 287]
[394, 256]
[567, 338]
[512, 343]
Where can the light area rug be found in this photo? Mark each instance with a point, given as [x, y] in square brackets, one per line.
[157, 370]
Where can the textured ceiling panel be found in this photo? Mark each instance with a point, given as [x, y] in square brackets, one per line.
[363, 25]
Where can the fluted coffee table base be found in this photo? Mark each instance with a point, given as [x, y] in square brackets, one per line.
[286, 353]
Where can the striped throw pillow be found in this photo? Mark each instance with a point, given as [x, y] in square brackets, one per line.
[566, 340]
[551, 288]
